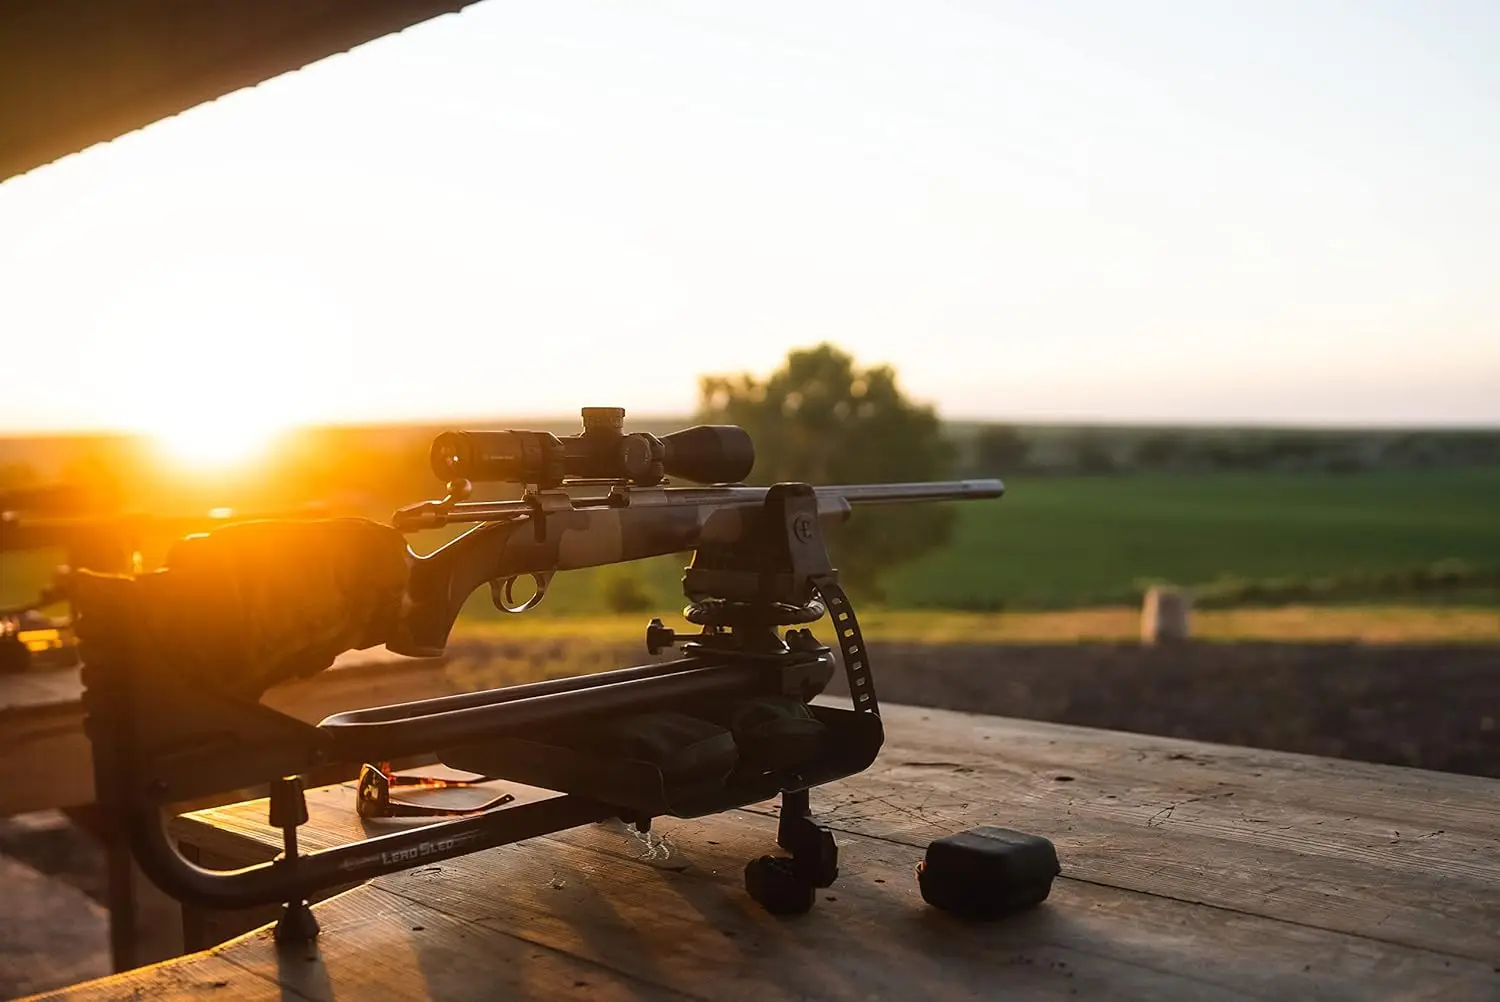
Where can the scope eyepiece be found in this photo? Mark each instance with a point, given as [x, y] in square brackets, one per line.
[705, 454]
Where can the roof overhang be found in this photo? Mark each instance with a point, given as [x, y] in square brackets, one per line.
[74, 73]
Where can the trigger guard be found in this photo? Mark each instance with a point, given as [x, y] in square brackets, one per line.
[501, 593]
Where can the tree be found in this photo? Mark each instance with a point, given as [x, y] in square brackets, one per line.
[1000, 449]
[822, 420]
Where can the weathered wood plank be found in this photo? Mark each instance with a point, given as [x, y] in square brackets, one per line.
[1211, 948]
[376, 946]
[688, 926]
[1265, 833]
[239, 831]
[1406, 797]
[1287, 887]
[1141, 814]
[199, 976]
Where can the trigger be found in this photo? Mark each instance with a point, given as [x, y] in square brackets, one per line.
[502, 592]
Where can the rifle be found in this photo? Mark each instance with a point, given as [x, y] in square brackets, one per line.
[728, 723]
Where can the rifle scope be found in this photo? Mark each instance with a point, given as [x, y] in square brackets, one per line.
[704, 454]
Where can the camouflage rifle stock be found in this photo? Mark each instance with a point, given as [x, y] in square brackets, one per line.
[729, 722]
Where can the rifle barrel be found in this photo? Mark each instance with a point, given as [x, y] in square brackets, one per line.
[940, 490]
[430, 514]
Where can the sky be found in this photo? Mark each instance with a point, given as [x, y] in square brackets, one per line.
[1197, 211]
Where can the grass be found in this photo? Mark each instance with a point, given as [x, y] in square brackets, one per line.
[1366, 624]
[1076, 541]
[24, 573]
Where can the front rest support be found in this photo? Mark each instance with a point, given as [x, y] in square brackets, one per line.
[288, 879]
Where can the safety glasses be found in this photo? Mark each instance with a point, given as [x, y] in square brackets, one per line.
[379, 794]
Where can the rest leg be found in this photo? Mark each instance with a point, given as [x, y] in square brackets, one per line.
[789, 886]
[814, 852]
[288, 810]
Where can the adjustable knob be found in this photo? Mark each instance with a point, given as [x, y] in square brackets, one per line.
[659, 638]
[604, 421]
[288, 807]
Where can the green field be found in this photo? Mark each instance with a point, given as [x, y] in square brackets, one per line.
[1073, 541]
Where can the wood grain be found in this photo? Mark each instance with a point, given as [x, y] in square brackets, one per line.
[1397, 855]
[872, 926]
[521, 921]
[1267, 833]
[196, 977]
[1191, 871]
[377, 945]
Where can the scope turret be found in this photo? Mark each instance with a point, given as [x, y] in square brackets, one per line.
[705, 454]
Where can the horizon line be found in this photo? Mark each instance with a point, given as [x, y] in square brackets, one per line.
[11, 433]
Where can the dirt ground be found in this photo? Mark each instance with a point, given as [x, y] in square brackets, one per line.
[1432, 707]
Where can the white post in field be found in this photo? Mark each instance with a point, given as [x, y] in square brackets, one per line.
[1165, 615]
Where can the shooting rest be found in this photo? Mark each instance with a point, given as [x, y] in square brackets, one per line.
[726, 725]
[157, 741]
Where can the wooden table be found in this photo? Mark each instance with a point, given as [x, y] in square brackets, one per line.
[1190, 871]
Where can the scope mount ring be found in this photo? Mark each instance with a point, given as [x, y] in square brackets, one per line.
[503, 597]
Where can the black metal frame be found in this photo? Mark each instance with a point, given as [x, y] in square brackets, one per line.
[632, 792]
[295, 876]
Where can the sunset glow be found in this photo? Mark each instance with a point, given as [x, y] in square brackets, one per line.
[212, 446]
[215, 361]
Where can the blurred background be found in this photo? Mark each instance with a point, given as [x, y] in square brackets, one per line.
[1210, 286]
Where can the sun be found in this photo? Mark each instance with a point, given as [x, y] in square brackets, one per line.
[214, 445]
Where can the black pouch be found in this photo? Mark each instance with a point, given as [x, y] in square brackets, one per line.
[685, 749]
[776, 732]
[985, 873]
